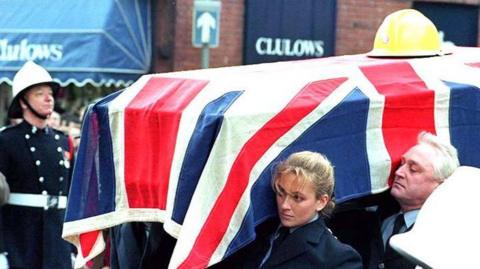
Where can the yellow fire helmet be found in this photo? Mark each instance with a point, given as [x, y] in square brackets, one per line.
[406, 33]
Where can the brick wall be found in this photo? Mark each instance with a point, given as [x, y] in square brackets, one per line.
[184, 56]
[356, 28]
[357, 24]
[164, 17]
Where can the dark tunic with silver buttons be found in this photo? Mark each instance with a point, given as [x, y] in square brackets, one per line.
[35, 161]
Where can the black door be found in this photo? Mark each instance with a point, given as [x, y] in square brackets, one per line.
[459, 23]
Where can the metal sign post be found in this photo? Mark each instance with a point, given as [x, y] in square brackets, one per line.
[206, 27]
[205, 55]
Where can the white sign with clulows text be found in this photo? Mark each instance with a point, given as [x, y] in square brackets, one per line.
[288, 47]
[25, 50]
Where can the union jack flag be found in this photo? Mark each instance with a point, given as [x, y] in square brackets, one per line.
[195, 149]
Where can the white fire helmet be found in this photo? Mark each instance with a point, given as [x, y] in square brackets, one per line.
[30, 75]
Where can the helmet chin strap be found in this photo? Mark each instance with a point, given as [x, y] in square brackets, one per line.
[38, 115]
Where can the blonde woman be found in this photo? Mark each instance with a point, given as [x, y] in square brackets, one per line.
[303, 185]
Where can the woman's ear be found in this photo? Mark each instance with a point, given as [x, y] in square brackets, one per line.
[322, 201]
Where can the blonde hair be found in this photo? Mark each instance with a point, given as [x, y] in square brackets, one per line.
[311, 167]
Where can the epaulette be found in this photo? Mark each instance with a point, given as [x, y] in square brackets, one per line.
[3, 128]
[59, 132]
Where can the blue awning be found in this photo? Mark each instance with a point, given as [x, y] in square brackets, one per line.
[105, 42]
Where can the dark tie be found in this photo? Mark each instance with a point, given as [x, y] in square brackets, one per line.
[398, 224]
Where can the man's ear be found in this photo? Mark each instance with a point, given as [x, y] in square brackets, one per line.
[22, 102]
[22, 99]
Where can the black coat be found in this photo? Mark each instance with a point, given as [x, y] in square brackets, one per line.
[394, 261]
[133, 247]
[310, 246]
[361, 228]
[313, 246]
[358, 227]
[35, 161]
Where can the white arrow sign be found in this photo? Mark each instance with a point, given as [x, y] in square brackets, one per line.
[206, 22]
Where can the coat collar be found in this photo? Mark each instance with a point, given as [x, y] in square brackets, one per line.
[31, 129]
[299, 241]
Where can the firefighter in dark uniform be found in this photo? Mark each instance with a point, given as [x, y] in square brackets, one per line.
[35, 160]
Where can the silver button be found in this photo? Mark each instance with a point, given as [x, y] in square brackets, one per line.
[27, 136]
[44, 192]
[57, 137]
[59, 149]
[60, 179]
[60, 162]
[60, 193]
[37, 162]
[32, 149]
[34, 129]
[41, 179]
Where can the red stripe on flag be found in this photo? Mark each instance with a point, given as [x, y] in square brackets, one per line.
[476, 65]
[87, 241]
[218, 220]
[409, 106]
[151, 125]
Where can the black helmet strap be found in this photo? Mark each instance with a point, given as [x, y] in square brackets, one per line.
[43, 117]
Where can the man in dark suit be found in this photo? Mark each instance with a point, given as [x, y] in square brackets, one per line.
[423, 167]
[368, 223]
